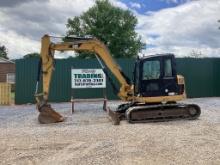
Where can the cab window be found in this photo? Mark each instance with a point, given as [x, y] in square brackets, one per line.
[168, 68]
[136, 78]
[151, 70]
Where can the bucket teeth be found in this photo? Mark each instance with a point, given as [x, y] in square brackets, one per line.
[49, 115]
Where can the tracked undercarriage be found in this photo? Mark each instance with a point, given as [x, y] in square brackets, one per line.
[155, 80]
[143, 113]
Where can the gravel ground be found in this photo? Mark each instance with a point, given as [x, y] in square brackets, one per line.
[88, 137]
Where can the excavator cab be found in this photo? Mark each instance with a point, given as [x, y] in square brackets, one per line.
[156, 76]
[153, 96]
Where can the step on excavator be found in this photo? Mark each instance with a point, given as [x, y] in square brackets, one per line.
[152, 95]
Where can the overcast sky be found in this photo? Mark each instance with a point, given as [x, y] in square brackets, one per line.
[176, 26]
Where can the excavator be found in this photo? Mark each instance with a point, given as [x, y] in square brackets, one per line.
[152, 95]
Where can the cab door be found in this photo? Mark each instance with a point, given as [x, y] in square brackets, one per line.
[158, 76]
[170, 86]
[136, 78]
[151, 77]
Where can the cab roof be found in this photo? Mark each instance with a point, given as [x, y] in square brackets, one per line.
[158, 55]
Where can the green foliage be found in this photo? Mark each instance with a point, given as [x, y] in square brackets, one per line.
[196, 54]
[3, 52]
[112, 25]
[32, 55]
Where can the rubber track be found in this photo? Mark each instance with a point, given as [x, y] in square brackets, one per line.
[162, 112]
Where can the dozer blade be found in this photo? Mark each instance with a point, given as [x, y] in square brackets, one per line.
[48, 115]
[114, 116]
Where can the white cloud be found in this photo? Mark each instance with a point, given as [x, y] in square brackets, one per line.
[181, 29]
[135, 5]
[23, 25]
[119, 4]
[192, 26]
[177, 1]
[18, 45]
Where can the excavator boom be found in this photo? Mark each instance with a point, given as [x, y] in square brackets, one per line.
[152, 97]
[47, 114]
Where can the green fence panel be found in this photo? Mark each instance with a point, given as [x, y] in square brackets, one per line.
[201, 76]
[26, 73]
[217, 77]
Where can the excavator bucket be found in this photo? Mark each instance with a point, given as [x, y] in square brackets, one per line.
[48, 115]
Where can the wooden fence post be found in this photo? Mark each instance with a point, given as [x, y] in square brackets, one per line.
[5, 94]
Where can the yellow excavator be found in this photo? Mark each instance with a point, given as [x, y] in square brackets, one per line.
[151, 96]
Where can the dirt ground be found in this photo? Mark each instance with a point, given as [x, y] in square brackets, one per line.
[88, 137]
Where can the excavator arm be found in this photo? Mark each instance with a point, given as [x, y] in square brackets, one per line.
[75, 44]
[138, 109]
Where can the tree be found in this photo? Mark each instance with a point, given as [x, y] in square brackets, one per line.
[196, 54]
[3, 52]
[112, 25]
[32, 55]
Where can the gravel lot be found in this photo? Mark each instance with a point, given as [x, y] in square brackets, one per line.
[88, 137]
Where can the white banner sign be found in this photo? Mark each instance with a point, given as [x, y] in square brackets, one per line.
[88, 78]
